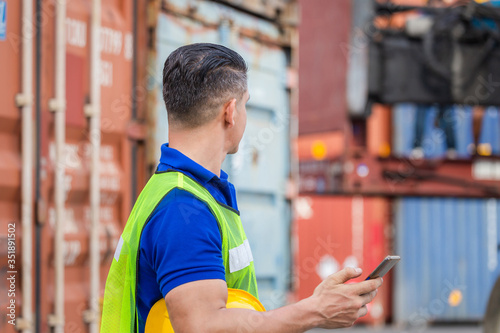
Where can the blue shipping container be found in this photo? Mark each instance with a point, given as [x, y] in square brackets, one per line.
[261, 167]
[449, 258]
[458, 122]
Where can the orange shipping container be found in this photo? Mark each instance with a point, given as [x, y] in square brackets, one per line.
[333, 232]
[321, 146]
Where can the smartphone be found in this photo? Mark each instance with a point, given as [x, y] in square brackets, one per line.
[384, 267]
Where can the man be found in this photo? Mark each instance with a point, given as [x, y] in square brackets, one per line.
[184, 241]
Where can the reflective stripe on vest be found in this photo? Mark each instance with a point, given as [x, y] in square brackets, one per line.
[119, 307]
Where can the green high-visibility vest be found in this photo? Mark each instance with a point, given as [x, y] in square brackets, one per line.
[119, 307]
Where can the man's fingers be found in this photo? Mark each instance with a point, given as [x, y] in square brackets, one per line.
[345, 275]
[366, 287]
[362, 311]
[367, 298]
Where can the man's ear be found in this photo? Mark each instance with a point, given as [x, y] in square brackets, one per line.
[229, 112]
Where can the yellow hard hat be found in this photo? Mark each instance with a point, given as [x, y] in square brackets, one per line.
[158, 320]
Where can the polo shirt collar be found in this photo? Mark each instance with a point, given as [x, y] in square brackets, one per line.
[177, 160]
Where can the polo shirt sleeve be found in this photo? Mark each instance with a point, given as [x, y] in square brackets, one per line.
[182, 242]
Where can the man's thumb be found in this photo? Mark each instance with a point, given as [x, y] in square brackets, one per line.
[346, 274]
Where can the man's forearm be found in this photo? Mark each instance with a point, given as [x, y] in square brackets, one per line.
[294, 318]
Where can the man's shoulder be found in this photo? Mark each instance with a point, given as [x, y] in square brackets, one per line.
[177, 199]
[178, 214]
[177, 209]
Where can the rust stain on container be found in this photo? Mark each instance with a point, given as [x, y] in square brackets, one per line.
[333, 232]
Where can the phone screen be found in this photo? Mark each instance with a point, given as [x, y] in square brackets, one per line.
[384, 267]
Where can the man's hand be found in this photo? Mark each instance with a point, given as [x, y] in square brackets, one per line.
[339, 304]
[200, 306]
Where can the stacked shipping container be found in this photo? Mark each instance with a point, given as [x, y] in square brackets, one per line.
[450, 246]
[441, 241]
[334, 231]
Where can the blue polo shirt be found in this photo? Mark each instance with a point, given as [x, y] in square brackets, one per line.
[181, 243]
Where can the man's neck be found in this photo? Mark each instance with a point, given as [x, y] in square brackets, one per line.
[202, 145]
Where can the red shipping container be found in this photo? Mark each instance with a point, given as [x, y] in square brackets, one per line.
[324, 38]
[333, 232]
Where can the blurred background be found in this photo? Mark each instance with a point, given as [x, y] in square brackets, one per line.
[373, 129]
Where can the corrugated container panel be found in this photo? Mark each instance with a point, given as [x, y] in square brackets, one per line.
[261, 167]
[449, 258]
[434, 138]
[333, 232]
[324, 43]
[116, 84]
